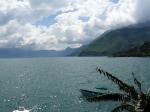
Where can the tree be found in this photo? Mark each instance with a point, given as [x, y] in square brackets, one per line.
[131, 99]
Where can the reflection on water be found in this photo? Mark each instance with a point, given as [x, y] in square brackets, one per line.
[52, 84]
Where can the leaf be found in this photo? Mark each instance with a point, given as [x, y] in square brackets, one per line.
[101, 88]
[123, 107]
[110, 97]
[122, 86]
[138, 83]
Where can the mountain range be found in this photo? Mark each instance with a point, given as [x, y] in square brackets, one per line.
[24, 53]
[118, 40]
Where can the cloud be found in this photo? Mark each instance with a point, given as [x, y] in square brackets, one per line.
[142, 10]
[55, 24]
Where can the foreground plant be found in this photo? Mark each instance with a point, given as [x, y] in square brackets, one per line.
[131, 99]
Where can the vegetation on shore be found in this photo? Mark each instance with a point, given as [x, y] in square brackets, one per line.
[140, 51]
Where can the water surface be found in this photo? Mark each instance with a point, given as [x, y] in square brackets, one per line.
[52, 84]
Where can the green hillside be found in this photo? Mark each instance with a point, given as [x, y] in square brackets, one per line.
[117, 41]
[141, 51]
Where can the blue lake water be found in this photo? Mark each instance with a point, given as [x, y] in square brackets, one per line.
[52, 84]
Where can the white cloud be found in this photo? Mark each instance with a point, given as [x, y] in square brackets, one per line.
[21, 35]
[8, 5]
[18, 20]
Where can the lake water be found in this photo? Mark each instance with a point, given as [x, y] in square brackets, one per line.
[52, 84]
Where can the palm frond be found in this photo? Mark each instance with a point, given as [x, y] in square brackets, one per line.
[122, 86]
[138, 83]
[123, 107]
[110, 97]
[102, 88]
[88, 94]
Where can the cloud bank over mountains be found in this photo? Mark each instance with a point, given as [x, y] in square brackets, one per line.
[57, 24]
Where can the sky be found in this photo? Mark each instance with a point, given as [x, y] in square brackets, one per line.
[58, 24]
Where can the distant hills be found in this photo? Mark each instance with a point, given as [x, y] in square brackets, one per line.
[118, 40]
[24, 53]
